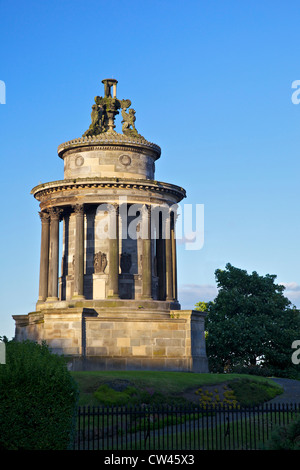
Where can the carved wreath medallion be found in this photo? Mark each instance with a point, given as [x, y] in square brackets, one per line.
[125, 160]
[79, 160]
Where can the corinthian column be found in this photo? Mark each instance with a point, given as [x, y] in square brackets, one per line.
[147, 254]
[113, 288]
[161, 259]
[79, 253]
[169, 263]
[44, 259]
[174, 256]
[53, 254]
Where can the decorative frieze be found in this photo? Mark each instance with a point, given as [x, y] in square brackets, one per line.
[43, 190]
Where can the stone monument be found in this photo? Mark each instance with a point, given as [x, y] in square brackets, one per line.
[112, 303]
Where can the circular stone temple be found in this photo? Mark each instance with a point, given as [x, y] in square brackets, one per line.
[111, 303]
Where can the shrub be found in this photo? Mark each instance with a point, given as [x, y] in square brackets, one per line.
[252, 370]
[38, 399]
[250, 392]
[285, 437]
[108, 396]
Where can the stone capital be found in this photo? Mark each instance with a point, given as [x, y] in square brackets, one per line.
[55, 212]
[78, 209]
[147, 210]
[44, 216]
[115, 208]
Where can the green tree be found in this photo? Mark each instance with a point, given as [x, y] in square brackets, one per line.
[201, 306]
[250, 319]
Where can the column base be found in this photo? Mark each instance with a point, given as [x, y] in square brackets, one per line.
[52, 299]
[112, 295]
[78, 297]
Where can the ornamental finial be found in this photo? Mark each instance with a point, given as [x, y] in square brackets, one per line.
[105, 110]
[108, 83]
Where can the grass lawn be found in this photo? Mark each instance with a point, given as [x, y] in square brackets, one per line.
[103, 387]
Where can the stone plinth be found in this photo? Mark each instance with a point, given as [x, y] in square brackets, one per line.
[99, 286]
[119, 337]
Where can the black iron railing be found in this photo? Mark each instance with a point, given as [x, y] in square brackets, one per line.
[194, 427]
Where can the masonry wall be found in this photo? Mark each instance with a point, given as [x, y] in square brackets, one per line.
[173, 341]
[106, 163]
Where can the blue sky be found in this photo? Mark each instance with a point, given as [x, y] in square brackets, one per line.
[211, 85]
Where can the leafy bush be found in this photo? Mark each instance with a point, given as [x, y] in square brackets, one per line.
[287, 373]
[252, 370]
[285, 437]
[113, 394]
[250, 393]
[38, 399]
[108, 396]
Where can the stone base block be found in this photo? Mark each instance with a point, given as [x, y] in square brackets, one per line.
[99, 286]
[120, 338]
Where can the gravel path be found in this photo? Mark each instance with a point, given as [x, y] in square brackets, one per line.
[291, 393]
